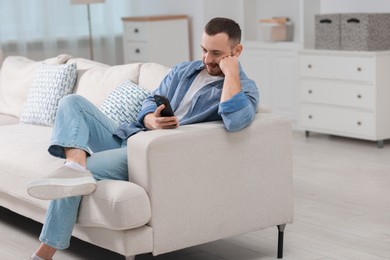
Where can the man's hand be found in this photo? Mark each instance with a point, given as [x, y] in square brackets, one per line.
[229, 66]
[156, 121]
[232, 84]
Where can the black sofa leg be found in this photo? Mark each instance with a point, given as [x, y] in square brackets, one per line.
[280, 239]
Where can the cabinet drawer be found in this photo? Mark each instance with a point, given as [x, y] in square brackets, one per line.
[337, 120]
[136, 31]
[136, 51]
[332, 67]
[338, 93]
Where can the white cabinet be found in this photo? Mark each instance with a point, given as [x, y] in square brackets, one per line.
[275, 74]
[274, 65]
[345, 93]
[159, 39]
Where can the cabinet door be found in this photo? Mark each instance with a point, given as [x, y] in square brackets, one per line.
[275, 73]
[284, 80]
[258, 65]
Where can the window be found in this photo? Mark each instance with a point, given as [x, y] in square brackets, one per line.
[57, 25]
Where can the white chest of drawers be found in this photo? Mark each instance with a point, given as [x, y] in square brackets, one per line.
[159, 39]
[345, 93]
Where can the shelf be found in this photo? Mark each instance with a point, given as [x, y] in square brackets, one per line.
[300, 12]
[272, 45]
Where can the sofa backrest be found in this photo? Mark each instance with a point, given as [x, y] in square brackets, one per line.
[16, 75]
[151, 75]
[95, 80]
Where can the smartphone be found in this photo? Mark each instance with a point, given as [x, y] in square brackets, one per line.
[167, 111]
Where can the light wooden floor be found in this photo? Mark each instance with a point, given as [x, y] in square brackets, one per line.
[342, 211]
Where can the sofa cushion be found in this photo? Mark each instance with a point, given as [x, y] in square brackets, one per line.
[95, 81]
[24, 157]
[16, 75]
[124, 103]
[50, 84]
[151, 75]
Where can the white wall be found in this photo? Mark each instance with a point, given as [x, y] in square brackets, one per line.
[355, 6]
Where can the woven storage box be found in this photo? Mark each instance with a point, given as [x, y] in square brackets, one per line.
[327, 31]
[365, 31]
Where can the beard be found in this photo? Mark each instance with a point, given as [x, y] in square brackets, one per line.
[214, 69]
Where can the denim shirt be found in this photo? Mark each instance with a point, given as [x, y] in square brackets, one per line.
[236, 113]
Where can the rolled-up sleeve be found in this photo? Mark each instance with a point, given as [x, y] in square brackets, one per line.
[239, 111]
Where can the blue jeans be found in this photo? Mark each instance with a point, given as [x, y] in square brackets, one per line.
[80, 124]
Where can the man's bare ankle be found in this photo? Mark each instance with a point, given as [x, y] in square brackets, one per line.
[36, 257]
[44, 252]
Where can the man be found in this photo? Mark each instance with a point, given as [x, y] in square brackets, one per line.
[215, 88]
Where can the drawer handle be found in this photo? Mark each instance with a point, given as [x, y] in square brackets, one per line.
[310, 117]
[309, 66]
[310, 91]
[353, 20]
[136, 30]
[137, 51]
[359, 123]
[326, 21]
[359, 96]
[359, 69]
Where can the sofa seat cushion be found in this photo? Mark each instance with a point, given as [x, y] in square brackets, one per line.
[24, 157]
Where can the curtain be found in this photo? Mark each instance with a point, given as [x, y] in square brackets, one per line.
[40, 29]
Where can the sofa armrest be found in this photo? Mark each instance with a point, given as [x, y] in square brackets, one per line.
[205, 183]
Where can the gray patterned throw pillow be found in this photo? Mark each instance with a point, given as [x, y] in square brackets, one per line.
[49, 85]
[124, 102]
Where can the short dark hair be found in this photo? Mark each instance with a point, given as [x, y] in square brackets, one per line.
[224, 25]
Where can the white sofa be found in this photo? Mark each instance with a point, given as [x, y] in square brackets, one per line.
[189, 186]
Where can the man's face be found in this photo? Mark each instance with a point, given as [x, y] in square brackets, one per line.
[214, 48]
